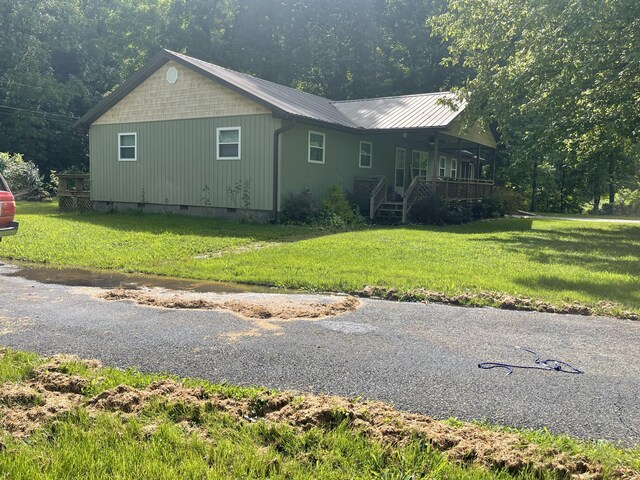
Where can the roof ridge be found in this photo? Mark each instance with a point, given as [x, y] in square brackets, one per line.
[392, 96]
[252, 77]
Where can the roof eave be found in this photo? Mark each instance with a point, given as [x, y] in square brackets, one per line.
[122, 91]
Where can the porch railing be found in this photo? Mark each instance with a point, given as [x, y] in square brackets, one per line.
[462, 188]
[378, 196]
[418, 188]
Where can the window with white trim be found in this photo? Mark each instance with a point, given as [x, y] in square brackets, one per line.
[228, 143]
[419, 164]
[316, 147]
[454, 168]
[128, 147]
[366, 154]
[442, 171]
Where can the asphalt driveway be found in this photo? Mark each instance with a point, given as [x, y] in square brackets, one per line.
[418, 357]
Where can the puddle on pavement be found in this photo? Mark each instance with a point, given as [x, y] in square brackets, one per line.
[78, 277]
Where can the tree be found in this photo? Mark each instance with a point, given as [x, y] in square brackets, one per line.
[560, 77]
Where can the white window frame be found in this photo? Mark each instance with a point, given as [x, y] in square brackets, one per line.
[370, 155]
[324, 147]
[239, 143]
[135, 147]
[442, 166]
[453, 168]
[420, 168]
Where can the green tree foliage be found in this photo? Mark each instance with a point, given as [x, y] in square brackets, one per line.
[561, 79]
[59, 57]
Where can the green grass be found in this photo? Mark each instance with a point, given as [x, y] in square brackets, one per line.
[154, 442]
[587, 216]
[554, 261]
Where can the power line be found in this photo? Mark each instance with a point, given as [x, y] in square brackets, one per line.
[39, 112]
[63, 88]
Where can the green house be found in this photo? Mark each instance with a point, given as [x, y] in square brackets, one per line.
[184, 135]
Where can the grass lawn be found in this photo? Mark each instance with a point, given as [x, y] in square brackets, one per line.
[68, 418]
[553, 261]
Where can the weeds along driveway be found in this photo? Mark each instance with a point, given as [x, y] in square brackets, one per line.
[418, 357]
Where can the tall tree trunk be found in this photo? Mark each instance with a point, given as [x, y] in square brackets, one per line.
[534, 186]
[562, 173]
[612, 187]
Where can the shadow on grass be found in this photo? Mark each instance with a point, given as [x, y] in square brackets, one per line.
[624, 292]
[480, 227]
[614, 249]
[175, 224]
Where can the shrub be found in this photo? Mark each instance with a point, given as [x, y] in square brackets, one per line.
[23, 177]
[627, 203]
[300, 207]
[501, 202]
[337, 211]
[431, 211]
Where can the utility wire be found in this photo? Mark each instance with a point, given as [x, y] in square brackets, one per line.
[63, 88]
[39, 112]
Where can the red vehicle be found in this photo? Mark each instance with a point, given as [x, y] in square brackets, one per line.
[7, 210]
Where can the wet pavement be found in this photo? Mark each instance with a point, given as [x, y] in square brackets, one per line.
[418, 357]
[79, 277]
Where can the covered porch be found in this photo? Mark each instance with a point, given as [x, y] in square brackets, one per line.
[457, 167]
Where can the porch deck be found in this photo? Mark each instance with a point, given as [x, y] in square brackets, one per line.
[451, 190]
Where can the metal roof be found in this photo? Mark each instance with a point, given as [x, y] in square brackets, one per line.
[425, 110]
[389, 113]
[292, 101]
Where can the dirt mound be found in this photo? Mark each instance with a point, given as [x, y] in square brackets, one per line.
[281, 310]
[465, 444]
[22, 420]
[121, 398]
[499, 300]
[25, 407]
[19, 395]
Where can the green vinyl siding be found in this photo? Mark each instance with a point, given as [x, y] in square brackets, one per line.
[176, 162]
[342, 157]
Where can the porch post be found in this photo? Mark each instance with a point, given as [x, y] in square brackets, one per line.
[436, 162]
[479, 167]
[493, 165]
[459, 171]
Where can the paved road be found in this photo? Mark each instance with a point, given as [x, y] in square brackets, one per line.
[418, 357]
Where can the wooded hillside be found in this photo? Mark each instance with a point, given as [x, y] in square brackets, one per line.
[560, 80]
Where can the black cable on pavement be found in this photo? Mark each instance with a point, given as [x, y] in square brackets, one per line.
[548, 364]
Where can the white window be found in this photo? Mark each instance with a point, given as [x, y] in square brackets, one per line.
[454, 168]
[366, 153]
[127, 147]
[419, 164]
[442, 171]
[228, 143]
[316, 147]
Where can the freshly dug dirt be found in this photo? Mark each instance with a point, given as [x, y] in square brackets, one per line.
[25, 407]
[499, 300]
[48, 393]
[281, 310]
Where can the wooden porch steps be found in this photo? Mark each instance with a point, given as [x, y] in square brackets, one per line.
[390, 212]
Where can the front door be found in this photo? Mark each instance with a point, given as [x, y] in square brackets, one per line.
[401, 160]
